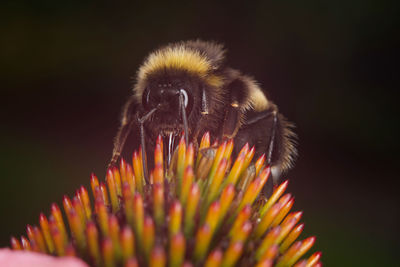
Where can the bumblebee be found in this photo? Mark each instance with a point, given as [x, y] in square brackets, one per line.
[186, 87]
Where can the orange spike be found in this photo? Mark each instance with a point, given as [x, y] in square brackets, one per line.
[158, 152]
[94, 183]
[242, 217]
[237, 168]
[265, 263]
[215, 183]
[103, 190]
[160, 142]
[232, 254]
[254, 188]
[189, 157]
[213, 216]
[57, 238]
[67, 204]
[127, 194]
[92, 236]
[130, 177]
[29, 232]
[191, 207]
[218, 157]
[70, 250]
[228, 149]
[25, 243]
[84, 197]
[40, 239]
[271, 253]
[15, 244]
[259, 163]
[157, 257]
[112, 187]
[249, 156]
[77, 205]
[301, 263]
[108, 252]
[314, 259]
[128, 203]
[138, 171]
[122, 170]
[114, 234]
[139, 216]
[127, 243]
[180, 164]
[286, 228]
[102, 216]
[151, 179]
[132, 262]
[203, 238]
[267, 242]
[274, 197]
[158, 202]
[242, 233]
[175, 221]
[158, 175]
[44, 224]
[293, 235]
[282, 213]
[177, 250]
[297, 250]
[205, 141]
[117, 178]
[158, 155]
[204, 163]
[266, 220]
[188, 178]
[77, 229]
[214, 259]
[294, 215]
[187, 264]
[226, 198]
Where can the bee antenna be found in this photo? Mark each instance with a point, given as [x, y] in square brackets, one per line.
[184, 118]
[204, 103]
[142, 142]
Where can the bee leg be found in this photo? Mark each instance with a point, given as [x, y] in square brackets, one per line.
[274, 176]
[141, 121]
[272, 139]
[127, 122]
[269, 131]
[184, 118]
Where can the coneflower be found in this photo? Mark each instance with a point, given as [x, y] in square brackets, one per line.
[204, 209]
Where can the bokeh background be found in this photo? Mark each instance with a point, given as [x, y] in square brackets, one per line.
[331, 66]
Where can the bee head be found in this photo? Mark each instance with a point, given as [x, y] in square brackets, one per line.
[177, 80]
[170, 96]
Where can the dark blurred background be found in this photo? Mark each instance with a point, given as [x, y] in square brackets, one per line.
[332, 68]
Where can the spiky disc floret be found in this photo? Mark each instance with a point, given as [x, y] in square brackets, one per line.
[203, 210]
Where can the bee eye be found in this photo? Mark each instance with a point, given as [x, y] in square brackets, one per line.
[166, 98]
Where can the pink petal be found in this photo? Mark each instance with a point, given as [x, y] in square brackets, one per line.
[14, 258]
